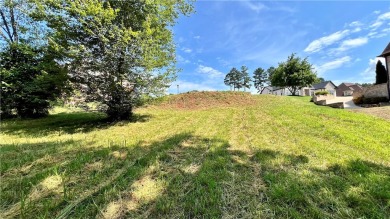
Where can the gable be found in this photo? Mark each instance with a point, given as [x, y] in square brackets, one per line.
[324, 85]
[386, 51]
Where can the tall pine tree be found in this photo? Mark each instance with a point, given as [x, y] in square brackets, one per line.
[233, 79]
[260, 77]
[245, 80]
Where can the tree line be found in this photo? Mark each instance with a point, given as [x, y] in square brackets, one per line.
[293, 74]
[113, 52]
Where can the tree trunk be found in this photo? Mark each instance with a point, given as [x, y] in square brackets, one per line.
[119, 111]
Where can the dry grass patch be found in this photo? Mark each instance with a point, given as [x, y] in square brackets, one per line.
[207, 100]
[381, 112]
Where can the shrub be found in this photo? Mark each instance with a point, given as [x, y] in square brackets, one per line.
[321, 93]
[358, 99]
[374, 100]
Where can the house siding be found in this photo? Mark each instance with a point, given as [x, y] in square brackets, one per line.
[344, 89]
[266, 90]
[340, 89]
[331, 89]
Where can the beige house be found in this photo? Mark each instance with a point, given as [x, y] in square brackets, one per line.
[324, 86]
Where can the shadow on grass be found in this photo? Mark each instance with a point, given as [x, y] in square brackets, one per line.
[187, 176]
[67, 123]
[356, 189]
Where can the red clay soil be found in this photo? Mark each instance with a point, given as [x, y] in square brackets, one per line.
[207, 99]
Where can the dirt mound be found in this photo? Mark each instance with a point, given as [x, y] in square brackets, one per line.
[208, 99]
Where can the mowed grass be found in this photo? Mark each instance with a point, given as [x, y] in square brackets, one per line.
[277, 157]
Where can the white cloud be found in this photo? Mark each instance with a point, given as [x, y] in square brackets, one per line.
[254, 6]
[385, 16]
[223, 62]
[368, 76]
[372, 34]
[322, 42]
[356, 24]
[380, 20]
[357, 29]
[377, 12]
[376, 24]
[209, 71]
[197, 37]
[375, 34]
[181, 59]
[186, 50]
[354, 42]
[337, 63]
[351, 43]
[386, 30]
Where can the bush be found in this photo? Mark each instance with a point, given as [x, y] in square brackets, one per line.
[321, 93]
[374, 100]
[358, 100]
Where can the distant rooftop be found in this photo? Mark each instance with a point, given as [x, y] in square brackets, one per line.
[321, 85]
[385, 52]
[348, 84]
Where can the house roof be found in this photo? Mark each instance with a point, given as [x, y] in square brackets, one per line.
[385, 52]
[267, 87]
[348, 84]
[355, 87]
[322, 85]
[276, 88]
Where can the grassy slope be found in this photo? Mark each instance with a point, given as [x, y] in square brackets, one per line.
[279, 157]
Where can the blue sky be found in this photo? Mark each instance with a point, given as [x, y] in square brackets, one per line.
[340, 39]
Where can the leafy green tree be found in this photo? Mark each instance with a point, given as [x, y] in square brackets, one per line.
[260, 79]
[365, 84]
[293, 74]
[245, 80]
[30, 79]
[30, 75]
[229, 79]
[117, 51]
[381, 73]
[270, 72]
[233, 78]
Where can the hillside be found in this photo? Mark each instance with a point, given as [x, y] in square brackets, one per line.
[207, 100]
[219, 155]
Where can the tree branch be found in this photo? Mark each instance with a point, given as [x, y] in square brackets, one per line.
[14, 25]
[7, 30]
[5, 37]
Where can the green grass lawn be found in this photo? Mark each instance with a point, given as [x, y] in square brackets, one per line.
[281, 157]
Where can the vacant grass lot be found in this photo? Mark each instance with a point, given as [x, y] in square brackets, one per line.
[271, 157]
